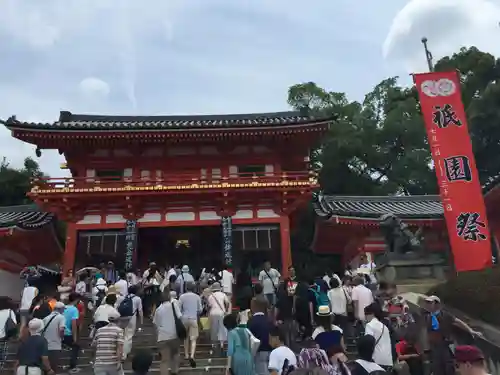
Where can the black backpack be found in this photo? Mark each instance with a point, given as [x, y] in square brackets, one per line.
[126, 307]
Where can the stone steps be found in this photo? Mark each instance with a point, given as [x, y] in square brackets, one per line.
[207, 360]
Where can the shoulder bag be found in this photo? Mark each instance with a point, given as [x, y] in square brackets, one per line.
[47, 325]
[218, 303]
[10, 326]
[381, 334]
[349, 305]
[272, 282]
[179, 326]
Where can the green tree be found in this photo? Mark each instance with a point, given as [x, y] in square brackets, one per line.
[16, 183]
[377, 147]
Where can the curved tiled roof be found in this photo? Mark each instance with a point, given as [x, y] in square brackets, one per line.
[416, 207]
[492, 183]
[409, 207]
[79, 122]
[25, 217]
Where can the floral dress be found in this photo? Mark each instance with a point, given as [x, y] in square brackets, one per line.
[238, 348]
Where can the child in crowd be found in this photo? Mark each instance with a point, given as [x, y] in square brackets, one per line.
[408, 352]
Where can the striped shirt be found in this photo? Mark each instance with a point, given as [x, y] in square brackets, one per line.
[106, 341]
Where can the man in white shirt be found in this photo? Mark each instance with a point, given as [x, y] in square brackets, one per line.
[382, 354]
[122, 284]
[168, 341]
[171, 272]
[53, 331]
[362, 297]
[183, 278]
[133, 278]
[281, 357]
[227, 281]
[370, 267]
[269, 278]
[131, 326]
[190, 304]
[81, 285]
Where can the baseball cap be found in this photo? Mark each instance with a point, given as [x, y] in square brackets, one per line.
[59, 305]
[468, 353]
[434, 299]
[113, 315]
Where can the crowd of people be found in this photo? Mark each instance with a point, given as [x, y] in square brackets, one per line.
[274, 324]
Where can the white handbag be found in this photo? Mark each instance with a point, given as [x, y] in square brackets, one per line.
[254, 343]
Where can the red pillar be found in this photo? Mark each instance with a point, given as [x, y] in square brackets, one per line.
[70, 248]
[286, 251]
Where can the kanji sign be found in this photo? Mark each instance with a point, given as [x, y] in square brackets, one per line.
[451, 149]
[457, 168]
[130, 243]
[469, 227]
[445, 116]
[227, 240]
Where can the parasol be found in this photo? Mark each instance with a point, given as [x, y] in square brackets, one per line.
[87, 269]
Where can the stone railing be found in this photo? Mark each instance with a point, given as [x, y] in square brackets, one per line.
[489, 344]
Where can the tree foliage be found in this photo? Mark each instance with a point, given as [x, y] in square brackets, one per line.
[379, 146]
[15, 183]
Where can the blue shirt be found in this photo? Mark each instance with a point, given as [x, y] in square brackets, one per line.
[70, 314]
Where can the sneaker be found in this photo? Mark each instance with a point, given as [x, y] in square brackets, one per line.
[74, 370]
[192, 362]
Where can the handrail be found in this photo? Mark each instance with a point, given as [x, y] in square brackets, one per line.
[490, 349]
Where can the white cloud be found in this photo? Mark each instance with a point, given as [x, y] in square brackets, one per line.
[92, 86]
[179, 56]
[30, 27]
[447, 24]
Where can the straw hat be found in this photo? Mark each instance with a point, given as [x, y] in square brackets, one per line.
[112, 290]
[324, 311]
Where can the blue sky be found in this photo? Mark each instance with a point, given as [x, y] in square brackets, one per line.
[213, 56]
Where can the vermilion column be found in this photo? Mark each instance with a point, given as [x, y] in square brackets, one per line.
[70, 248]
[286, 251]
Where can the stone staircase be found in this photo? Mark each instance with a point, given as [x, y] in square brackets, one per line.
[207, 360]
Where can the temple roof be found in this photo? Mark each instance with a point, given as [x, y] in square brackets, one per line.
[491, 184]
[78, 122]
[24, 217]
[409, 207]
[406, 207]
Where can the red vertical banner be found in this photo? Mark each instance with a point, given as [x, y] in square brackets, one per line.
[460, 189]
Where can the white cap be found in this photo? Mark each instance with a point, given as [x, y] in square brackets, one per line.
[185, 268]
[59, 305]
[35, 326]
[113, 315]
[434, 299]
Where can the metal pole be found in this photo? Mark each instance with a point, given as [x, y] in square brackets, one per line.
[428, 55]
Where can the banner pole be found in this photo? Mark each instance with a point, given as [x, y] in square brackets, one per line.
[428, 55]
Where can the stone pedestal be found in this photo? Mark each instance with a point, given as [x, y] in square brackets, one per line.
[411, 267]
